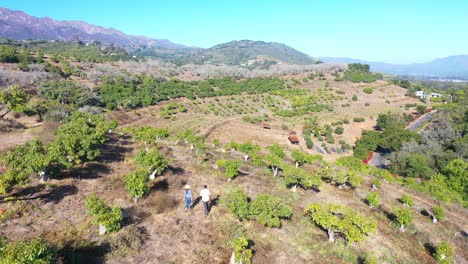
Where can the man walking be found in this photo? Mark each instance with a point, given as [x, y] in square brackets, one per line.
[205, 194]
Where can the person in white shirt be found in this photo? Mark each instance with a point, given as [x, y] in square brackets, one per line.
[205, 194]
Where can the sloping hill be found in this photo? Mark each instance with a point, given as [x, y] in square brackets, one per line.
[19, 25]
[233, 53]
[237, 52]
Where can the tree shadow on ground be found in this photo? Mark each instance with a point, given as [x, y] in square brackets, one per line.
[90, 254]
[133, 215]
[87, 171]
[176, 170]
[112, 153]
[47, 195]
[161, 185]
[390, 216]
[430, 248]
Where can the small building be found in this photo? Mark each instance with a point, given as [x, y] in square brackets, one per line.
[438, 95]
[293, 139]
[266, 126]
[420, 94]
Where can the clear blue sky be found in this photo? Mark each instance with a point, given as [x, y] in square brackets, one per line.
[401, 31]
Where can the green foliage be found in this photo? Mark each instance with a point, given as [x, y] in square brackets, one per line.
[190, 137]
[360, 73]
[406, 199]
[339, 130]
[376, 182]
[368, 142]
[301, 157]
[444, 253]
[119, 93]
[110, 217]
[237, 203]
[457, 176]
[153, 160]
[421, 109]
[13, 99]
[147, 134]
[171, 109]
[354, 98]
[248, 148]
[242, 250]
[371, 259]
[67, 92]
[368, 90]
[301, 177]
[373, 199]
[137, 183]
[268, 210]
[231, 167]
[359, 119]
[390, 121]
[438, 212]
[79, 139]
[418, 166]
[34, 251]
[340, 219]
[404, 216]
[276, 150]
[8, 54]
[393, 138]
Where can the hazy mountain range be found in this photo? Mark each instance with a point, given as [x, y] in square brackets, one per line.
[448, 67]
[19, 25]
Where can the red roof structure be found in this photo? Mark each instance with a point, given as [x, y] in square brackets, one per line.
[293, 139]
[266, 126]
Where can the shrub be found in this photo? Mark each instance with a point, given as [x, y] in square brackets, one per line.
[153, 160]
[137, 183]
[231, 167]
[368, 90]
[25, 252]
[359, 119]
[110, 217]
[354, 98]
[339, 130]
[404, 216]
[268, 210]
[242, 251]
[438, 212]
[373, 199]
[407, 200]
[237, 203]
[444, 253]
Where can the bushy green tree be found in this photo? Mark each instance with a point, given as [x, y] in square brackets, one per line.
[34, 251]
[137, 183]
[407, 200]
[147, 134]
[276, 150]
[237, 203]
[231, 167]
[12, 99]
[153, 160]
[437, 213]
[297, 176]
[275, 163]
[8, 54]
[404, 217]
[268, 210]
[457, 176]
[341, 219]
[373, 199]
[242, 251]
[110, 217]
[444, 253]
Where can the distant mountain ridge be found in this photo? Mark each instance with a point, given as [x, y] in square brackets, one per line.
[448, 67]
[19, 25]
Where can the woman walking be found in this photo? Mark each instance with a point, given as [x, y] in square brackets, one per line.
[188, 196]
